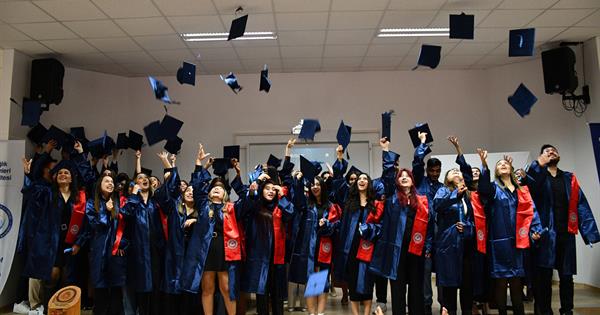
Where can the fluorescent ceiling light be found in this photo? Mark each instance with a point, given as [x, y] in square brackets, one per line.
[413, 32]
[209, 37]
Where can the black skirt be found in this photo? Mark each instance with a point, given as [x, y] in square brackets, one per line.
[215, 261]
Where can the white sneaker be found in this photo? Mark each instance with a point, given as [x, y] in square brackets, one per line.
[37, 311]
[21, 308]
[383, 307]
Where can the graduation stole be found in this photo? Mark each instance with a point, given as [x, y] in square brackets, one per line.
[573, 224]
[279, 237]
[524, 216]
[120, 226]
[419, 230]
[480, 224]
[366, 247]
[76, 218]
[163, 222]
[326, 244]
[231, 235]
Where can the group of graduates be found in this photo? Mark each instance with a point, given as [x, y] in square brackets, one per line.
[170, 246]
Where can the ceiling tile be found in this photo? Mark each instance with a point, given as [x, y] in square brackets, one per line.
[567, 17]
[86, 59]
[452, 60]
[334, 68]
[345, 51]
[22, 12]
[215, 53]
[223, 67]
[71, 10]
[472, 48]
[509, 18]
[108, 68]
[572, 4]
[130, 57]
[390, 62]
[253, 43]
[398, 50]
[134, 8]
[258, 52]
[250, 6]
[354, 20]
[65, 46]
[544, 34]
[300, 38]
[400, 19]
[28, 47]
[350, 37]
[149, 68]
[471, 5]
[217, 44]
[501, 50]
[172, 55]
[95, 29]
[393, 40]
[114, 44]
[42, 31]
[416, 5]
[301, 6]
[520, 4]
[358, 5]
[342, 62]
[591, 21]
[185, 7]
[258, 64]
[491, 34]
[258, 23]
[299, 63]
[197, 24]
[160, 42]
[301, 51]
[146, 26]
[578, 34]
[10, 34]
[301, 21]
[495, 60]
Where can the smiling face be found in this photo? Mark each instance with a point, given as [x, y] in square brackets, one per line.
[154, 182]
[476, 173]
[362, 183]
[433, 173]
[503, 168]
[188, 195]
[142, 181]
[404, 180]
[63, 177]
[107, 186]
[216, 194]
[552, 154]
[315, 189]
[269, 192]
[183, 186]
[352, 178]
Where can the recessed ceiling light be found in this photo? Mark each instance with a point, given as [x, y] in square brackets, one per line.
[208, 37]
[413, 32]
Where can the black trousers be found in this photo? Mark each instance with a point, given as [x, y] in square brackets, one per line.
[381, 285]
[149, 303]
[543, 284]
[272, 294]
[410, 273]
[108, 301]
[449, 294]
[516, 295]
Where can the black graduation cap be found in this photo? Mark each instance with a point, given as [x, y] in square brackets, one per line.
[231, 81]
[522, 100]
[32, 110]
[352, 170]
[308, 169]
[220, 166]
[521, 42]
[414, 134]
[187, 74]
[238, 27]
[79, 134]
[37, 133]
[101, 146]
[343, 134]
[173, 145]
[146, 171]
[429, 56]
[122, 141]
[136, 140]
[231, 152]
[461, 26]
[265, 82]
[273, 161]
[309, 128]
[386, 125]
[160, 90]
[153, 134]
[170, 126]
[64, 164]
[55, 133]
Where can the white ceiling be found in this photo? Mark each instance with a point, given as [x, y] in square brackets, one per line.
[140, 37]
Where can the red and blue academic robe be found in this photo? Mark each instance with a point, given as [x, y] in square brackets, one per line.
[580, 220]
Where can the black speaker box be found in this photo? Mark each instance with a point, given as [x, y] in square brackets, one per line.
[559, 70]
[47, 81]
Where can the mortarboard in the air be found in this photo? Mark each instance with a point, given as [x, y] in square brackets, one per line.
[78, 134]
[220, 166]
[522, 100]
[308, 169]
[169, 127]
[108, 144]
[521, 42]
[265, 82]
[37, 133]
[231, 81]
[429, 56]
[98, 147]
[187, 74]
[253, 176]
[273, 161]
[238, 27]
[55, 133]
[146, 171]
[32, 110]
[414, 134]
[462, 26]
[343, 134]
[386, 125]
[136, 140]
[309, 128]
[231, 152]
[64, 164]
[173, 145]
[160, 90]
[316, 283]
[152, 132]
[122, 141]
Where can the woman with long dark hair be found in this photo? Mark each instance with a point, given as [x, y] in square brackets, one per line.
[406, 237]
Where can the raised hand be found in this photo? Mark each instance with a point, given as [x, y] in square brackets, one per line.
[483, 156]
[201, 154]
[263, 176]
[288, 147]
[422, 136]
[508, 159]
[454, 141]
[173, 158]
[50, 146]
[339, 151]
[236, 165]
[78, 147]
[253, 187]
[543, 159]
[138, 154]
[209, 163]
[26, 165]
[384, 143]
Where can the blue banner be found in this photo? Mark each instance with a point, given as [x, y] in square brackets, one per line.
[595, 131]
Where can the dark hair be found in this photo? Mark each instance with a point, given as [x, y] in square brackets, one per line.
[407, 200]
[353, 201]
[546, 146]
[324, 198]
[183, 181]
[114, 196]
[273, 174]
[73, 187]
[434, 162]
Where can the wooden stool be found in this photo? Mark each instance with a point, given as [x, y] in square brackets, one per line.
[67, 301]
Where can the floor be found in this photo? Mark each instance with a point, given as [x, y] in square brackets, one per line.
[587, 302]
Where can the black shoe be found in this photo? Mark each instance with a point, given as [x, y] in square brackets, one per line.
[428, 310]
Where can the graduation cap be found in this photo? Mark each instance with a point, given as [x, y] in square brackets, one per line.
[316, 283]
[57, 134]
[231, 81]
[414, 134]
[238, 27]
[101, 146]
[353, 170]
[265, 82]
[78, 134]
[146, 171]
[231, 152]
[31, 112]
[253, 176]
[37, 133]
[521, 42]
[461, 26]
[522, 100]
[173, 145]
[153, 134]
[308, 169]
[343, 134]
[220, 166]
[170, 126]
[273, 161]
[386, 125]
[187, 74]
[136, 140]
[122, 141]
[64, 164]
[160, 90]
[309, 128]
[429, 56]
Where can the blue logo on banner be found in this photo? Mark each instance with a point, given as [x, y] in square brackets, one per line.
[595, 131]
[6, 220]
